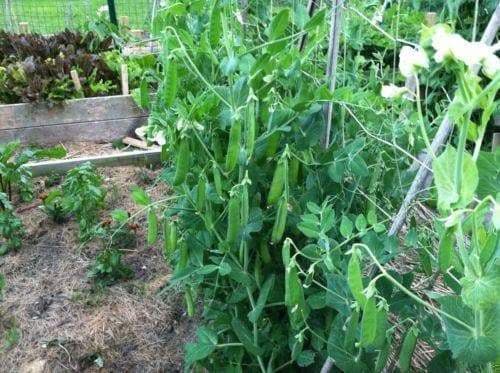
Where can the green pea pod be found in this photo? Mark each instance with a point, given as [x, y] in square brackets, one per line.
[250, 129]
[280, 221]
[217, 180]
[293, 171]
[355, 280]
[169, 238]
[409, 344]
[383, 356]
[369, 323]
[233, 219]
[183, 255]
[182, 163]
[188, 296]
[152, 227]
[265, 255]
[245, 206]
[258, 271]
[278, 183]
[233, 147]
[273, 142]
[201, 193]
[164, 153]
[217, 148]
[350, 334]
[445, 252]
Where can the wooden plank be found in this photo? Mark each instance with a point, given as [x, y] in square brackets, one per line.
[72, 111]
[135, 158]
[100, 131]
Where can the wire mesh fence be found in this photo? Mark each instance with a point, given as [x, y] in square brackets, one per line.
[50, 16]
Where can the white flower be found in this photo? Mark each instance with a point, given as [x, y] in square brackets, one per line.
[411, 60]
[160, 138]
[102, 9]
[491, 65]
[141, 132]
[392, 91]
[448, 45]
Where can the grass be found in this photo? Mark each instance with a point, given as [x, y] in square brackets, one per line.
[50, 16]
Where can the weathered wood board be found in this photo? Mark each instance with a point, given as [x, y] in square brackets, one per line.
[136, 158]
[99, 119]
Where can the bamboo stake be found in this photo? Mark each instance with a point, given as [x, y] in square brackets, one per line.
[23, 27]
[333, 56]
[124, 21]
[124, 79]
[76, 80]
[423, 177]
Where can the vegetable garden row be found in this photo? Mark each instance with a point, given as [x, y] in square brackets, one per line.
[334, 174]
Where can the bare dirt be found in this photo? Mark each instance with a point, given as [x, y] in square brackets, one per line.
[55, 321]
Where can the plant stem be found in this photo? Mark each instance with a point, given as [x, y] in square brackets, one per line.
[410, 294]
[421, 120]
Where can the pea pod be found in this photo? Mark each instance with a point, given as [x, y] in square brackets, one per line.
[293, 171]
[280, 221]
[233, 219]
[273, 141]
[264, 252]
[409, 344]
[383, 356]
[188, 296]
[183, 256]
[152, 227]
[233, 147]
[217, 180]
[278, 183]
[258, 271]
[250, 129]
[182, 162]
[350, 334]
[169, 238]
[245, 205]
[217, 149]
[201, 193]
[355, 280]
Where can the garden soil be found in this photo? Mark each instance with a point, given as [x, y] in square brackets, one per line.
[51, 319]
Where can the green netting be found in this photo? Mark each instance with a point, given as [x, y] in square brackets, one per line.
[50, 16]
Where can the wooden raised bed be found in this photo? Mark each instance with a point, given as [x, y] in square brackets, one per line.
[98, 119]
[87, 119]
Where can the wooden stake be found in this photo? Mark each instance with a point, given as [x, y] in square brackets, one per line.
[423, 178]
[333, 56]
[137, 33]
[124, 21]
[76, 80]
[496, 141]
[430, 19]
[23, 27]
[124, 78]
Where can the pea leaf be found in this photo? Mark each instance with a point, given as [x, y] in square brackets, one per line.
[266, 288]
[346, 227]
[444, 176]
[245, 336]
[463, 342]
[279, 24]
[305, 358]
[207, 342]
[140, 197]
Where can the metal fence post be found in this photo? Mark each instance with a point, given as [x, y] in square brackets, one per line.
[112, 12]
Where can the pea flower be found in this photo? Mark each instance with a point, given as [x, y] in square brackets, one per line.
[491, 65]
[103, 9]
[411, 60]
[454, 46]
[392, 91]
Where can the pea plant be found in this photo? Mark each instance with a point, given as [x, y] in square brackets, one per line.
[277, 235]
